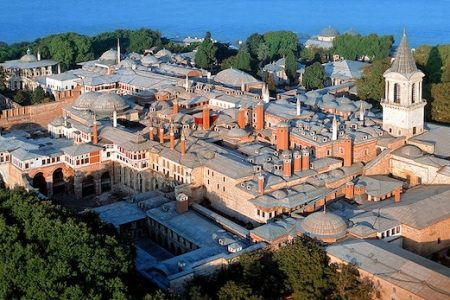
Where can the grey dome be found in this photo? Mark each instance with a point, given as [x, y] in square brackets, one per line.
[234, 78]
[162, 53]
[28, 57]
[108, 103]
[109, 55]
[324, 224]
[279, 194]
[85, 100]
[134, 56]
[149, 60]
[237, 132]
[329, 32]
[328, 97]
[412, 151]
[128, 63]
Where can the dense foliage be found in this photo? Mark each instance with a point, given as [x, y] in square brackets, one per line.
[206, 53]
[48, 253]
[371, 84]
[314, 76]
[300, 270]
[242, 60]
[355, 47]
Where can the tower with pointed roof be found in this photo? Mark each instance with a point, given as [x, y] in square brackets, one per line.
[403, 106]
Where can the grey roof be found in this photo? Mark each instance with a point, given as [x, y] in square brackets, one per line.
[345, 69]
[404, 61]
[368, 224]
[234, 78]
[120, 213]
[233, 167]
[329, 32]
[275, 230]
[416, 274]
[434, 136]
[324, 225]
[379, 185]
[80, 149]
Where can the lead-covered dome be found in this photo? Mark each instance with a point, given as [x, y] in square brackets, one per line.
[234, 78]
[109, 55]
[162, 53]
[28, 57]
[411, 151]
[149, 60]
[85, 100]
[107, 103]
[329, 32]
[324, 225]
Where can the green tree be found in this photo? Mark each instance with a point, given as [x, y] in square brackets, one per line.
[143, 39]
[22, 97]
[371, 84]
[291, 66]
[314, 76]
[233, 291]
[206, 53]
[38, 95]
[280, 43]
[356, 46]
[241, 61]
[348, 284]
[2, 80]
[440, 104]
[253, 42]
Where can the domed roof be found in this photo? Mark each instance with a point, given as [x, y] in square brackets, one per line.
[347, 107]
[85, 100]
[128, 63]
[134, 56]
[108, 103]
[411, 150]
[234, 78]
[279, 194]
[28, 57]
[352, 32]
[149, 60]
[324, 224]
[237, 132]
[302, 98]
[109, 55]
[329, 32]
[328, 97]
[163, 52]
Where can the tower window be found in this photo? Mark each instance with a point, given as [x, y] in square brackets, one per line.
[396, 93]
[413, 93]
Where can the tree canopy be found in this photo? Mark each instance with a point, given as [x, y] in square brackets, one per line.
[314, 76]
[355, 47]
[300, 270]
[38, 95]
[206, 53]
[242, 60]
[371, 84]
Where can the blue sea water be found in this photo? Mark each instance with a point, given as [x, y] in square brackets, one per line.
[427, 21]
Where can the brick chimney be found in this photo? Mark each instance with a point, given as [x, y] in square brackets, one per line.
[175, 107]
[161, 135]
[261, 184]
[348, 153]
[287, 167]
[206, 118]
[282, 136]
[241, 118]
[182, 145]
[94, 132]
[305, 159]
[182, 203]
[349, 190]
[259, 116]
[172, 139]
[151, 133]
[297, 162]
[397, 195]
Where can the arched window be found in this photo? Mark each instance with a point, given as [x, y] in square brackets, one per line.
[413, 93]
[396, 93]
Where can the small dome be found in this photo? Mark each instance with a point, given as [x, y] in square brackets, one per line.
[302, 98]
[162, 53]
[329, 32]
[128, 63]
[412, 151]
[237, 132]
[85, 100]
[109, 55]
[324, 224]
[149, 60]
[107, 103]
[134, 56]
[347, 107]
[234, 78]
[328, 97]
[28, 57]
[279, 194]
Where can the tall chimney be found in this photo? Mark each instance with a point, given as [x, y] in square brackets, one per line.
[297, 162]
[94, 132]
[282, 136]
[305, 159]
[349, 190]
[161, 135]
[259, 116]
[241, 118]
[397, 195]
[261, 184]
[175, 107]
[183, 145]
[172, 139]
[348, 153]
[287, 167]
[206, 118]
[115, 118]
[151, 133]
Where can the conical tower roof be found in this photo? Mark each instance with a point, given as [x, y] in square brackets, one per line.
[404, 61]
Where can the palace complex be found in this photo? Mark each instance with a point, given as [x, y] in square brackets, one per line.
[211, 166]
